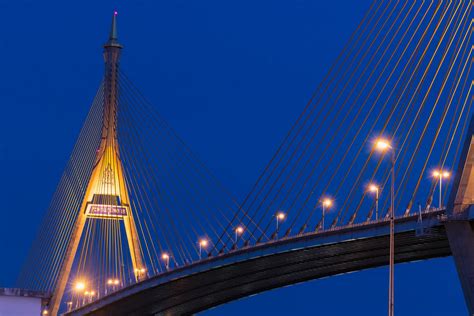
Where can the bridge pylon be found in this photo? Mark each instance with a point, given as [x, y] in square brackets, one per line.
[459, 228]
[106, 196]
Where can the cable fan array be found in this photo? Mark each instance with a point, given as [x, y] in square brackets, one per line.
[178, 207]
[404, 76]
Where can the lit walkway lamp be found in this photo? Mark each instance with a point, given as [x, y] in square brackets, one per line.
[383, 145]
[279, 217]
[239, 230]
[80, 286]
[202, 244]
[327, 203]
[140, 273]
[112, 283]
[440, 174]
[166, 258]
[375, 189]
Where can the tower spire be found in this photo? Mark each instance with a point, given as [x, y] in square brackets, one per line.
[113, 35]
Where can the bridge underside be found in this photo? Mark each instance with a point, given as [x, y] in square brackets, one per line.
[200, 291]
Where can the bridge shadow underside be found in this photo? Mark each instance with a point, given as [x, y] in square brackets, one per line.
[225, 278]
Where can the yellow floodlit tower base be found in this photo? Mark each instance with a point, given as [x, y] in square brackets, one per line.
[106, 195]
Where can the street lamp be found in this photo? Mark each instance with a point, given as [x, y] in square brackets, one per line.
[113, 283]
[86, 294]
[375, 189]
[166, 258]
[202, 244]
[239, 230]
[327, 203]
[140, 272]
[440, 174]
[80, 285]
[280, 216]
[109, 283]
[383, 145]
[91, 295]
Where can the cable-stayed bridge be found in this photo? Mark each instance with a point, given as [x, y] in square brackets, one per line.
[139, 226]
[251, 270]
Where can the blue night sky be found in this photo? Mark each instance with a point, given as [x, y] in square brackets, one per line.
[230, 77]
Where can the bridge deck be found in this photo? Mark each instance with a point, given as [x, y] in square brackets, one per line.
[220, 279]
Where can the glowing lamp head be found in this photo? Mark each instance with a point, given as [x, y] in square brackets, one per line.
[116, 282]
[203, 243]
[86, 293]
[239, 230]
[80, 286]
[327, 202]
[441, 174]
[142, 270]
[373, 188]
[382, 145]
[165, 256]
[45, 312]
[281, 216]
[110, 281]
[92, 293]
[115, 12]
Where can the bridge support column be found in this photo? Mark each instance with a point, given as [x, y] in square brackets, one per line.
[458, 225]
[461, 241]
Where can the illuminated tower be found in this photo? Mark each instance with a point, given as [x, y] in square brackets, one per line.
[106, 196]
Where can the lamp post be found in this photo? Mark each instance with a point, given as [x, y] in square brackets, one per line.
[166, 258]
[375, 189]
[113, 283]
[280, 216]
[140, 273]
[239, 230]
[110, 282]
[80, 286]
[91, 294]
[202, 244]
[440, 174]
[326, 202]
[383, 145]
